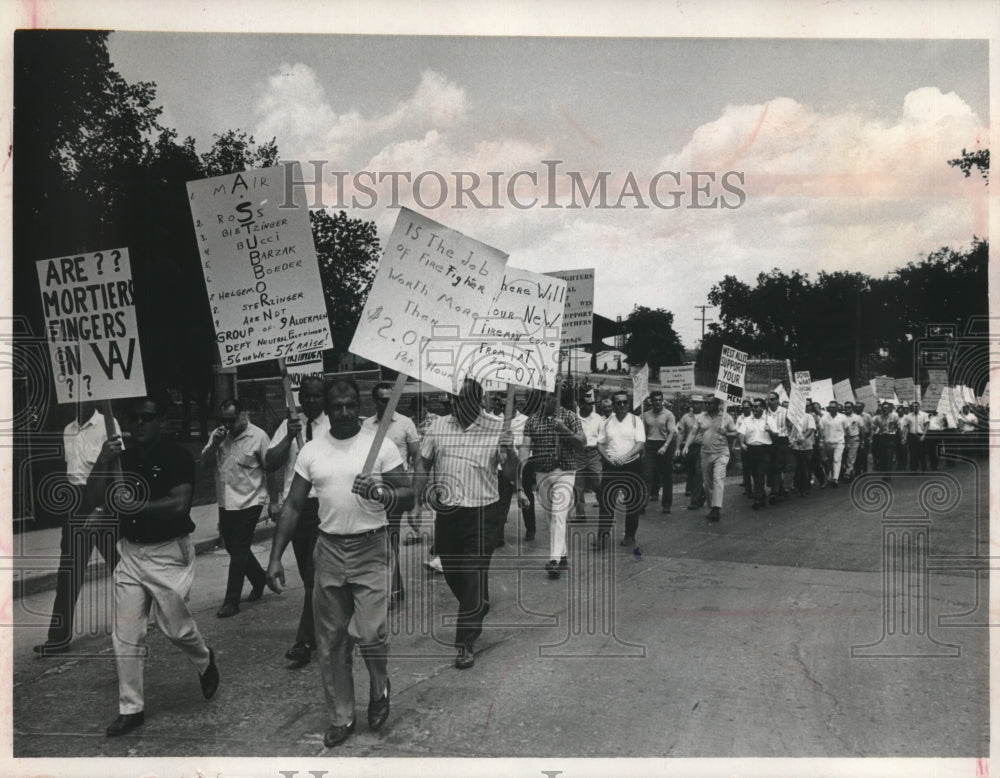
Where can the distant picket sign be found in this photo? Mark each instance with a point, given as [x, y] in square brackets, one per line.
[731, 382]
[304, 365]
[260, 268]
[88, 301]
[822, 391]
[937, 381]
[432, 285]
[640, 386]
[578, 313]
[797, 398]
[842, 391]
[678, 379]
[865, 394]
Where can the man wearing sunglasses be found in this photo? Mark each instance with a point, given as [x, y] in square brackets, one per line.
[157, 555]
[237, 450]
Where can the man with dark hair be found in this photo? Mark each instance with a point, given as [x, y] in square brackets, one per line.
[661, 443]
[403, 434]
[620, 441]
[756, 436]
[157, 555]
[237, 451]
[459, 456]
[282, 451]
[352, 557]
[713, 428]
[885, 431]
[82, 441]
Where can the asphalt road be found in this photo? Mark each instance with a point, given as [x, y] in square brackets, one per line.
[714, 640]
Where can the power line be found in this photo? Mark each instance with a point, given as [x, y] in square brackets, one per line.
[703, 318]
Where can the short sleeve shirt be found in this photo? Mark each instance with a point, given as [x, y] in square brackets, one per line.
[320, 427]
[591, 425]
[833, 428]
[401, 431]
[659, 426]
[549, 449]
[620, 436]
[239, 469]
[465, 461]
[82, 445]
[713, 431]
[331, 466]
[165, 466]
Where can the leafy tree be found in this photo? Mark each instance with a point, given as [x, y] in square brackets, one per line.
[348, 253]
[652, 339]
[974, 159]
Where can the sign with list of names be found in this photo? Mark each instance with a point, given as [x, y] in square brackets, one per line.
[797, 399]
[88, 302]
[260, 268]
[432, 286]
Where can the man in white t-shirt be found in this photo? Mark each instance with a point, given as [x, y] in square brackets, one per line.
[281, 453]
[403, 433]
[621, 440]
[350, 598]
[832, 434]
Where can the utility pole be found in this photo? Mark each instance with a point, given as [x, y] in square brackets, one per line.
[703, 318]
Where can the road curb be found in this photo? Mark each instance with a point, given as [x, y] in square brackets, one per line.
[31, 582]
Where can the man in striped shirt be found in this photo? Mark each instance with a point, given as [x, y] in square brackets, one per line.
[459, 457]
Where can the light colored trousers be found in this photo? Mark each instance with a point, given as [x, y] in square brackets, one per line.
[834, 453]
[148, 573]
[350, 606]
[556, 497]
[713, 473]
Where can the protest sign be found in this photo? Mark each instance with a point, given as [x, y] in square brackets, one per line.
[677, 379]
[432, 286]
[578, 315]
[967, 395]
[640, 386]
[904, 390]
[88, 302]
[729, 385]
[884, 387]
[822, 391]
[842, 391]
[985, 398]
[797, 399]
[948, 406]
[260, 268]
[780, 391]
[865, 394]
[307, 363]
[516, 341]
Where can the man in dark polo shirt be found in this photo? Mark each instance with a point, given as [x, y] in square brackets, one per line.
[156, 553]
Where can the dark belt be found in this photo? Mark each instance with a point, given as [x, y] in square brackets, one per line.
[355, 536]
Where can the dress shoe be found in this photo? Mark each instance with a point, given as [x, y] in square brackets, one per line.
[378, 710]
[628, 540]
[336, 735]
[713, 515]
[757, 505]
[228, 609]
[300, 653]
[665, 510]
[125, 723]
[564, 564]
[465, 658]
[255, 594]
[552, 568]
[210, 678]
[529, 535]
[51, 649]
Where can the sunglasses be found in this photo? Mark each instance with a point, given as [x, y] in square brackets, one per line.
[145, 418]
[620, 402]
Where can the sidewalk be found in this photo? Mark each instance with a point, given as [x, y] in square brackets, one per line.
[35, 555]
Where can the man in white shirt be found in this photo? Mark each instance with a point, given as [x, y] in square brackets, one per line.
[937, 425]
[620, 442]
[916, 434]
[588, 473]
[713, 429]
[756, 436]
[350, 596]
[853, 430]
[282, 451]
[403, 434]
[802, 443]
[832, 435]
[82, 442]
[778, 416]
[237, 450]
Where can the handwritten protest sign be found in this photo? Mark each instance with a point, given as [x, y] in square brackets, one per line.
[822, 391]
[640, 386]
[578, 315]
[904, 390]
[432, 286]
[885, 388]
[842, 391]
[865, 394]
[779, 390]
[260, 268]
[949, 405]
[516, 340]
[677, 379]
[307, 363]
[730, 384]
[88, 302]
[797, 399]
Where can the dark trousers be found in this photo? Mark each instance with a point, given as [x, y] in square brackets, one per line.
[464, 539]
[395, 521]
[659, 471]
[528, 485]
[882, 449]
[76, 545]
[803, 462]
[746, 467]
[304, 547]
[901, 454]
[237, 533]
[917, 452]
[506, 490]
[776, 467]
[760, 467]
[629, 478]
[818, 469]
[694, 471]
[861, 463]
[932, 447]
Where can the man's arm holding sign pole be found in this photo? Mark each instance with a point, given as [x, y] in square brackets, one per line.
[383, 425]
[286, 385]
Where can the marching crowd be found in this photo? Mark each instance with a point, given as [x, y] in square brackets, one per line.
[341, 504]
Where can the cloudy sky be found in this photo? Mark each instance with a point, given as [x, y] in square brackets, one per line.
[838, 147]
